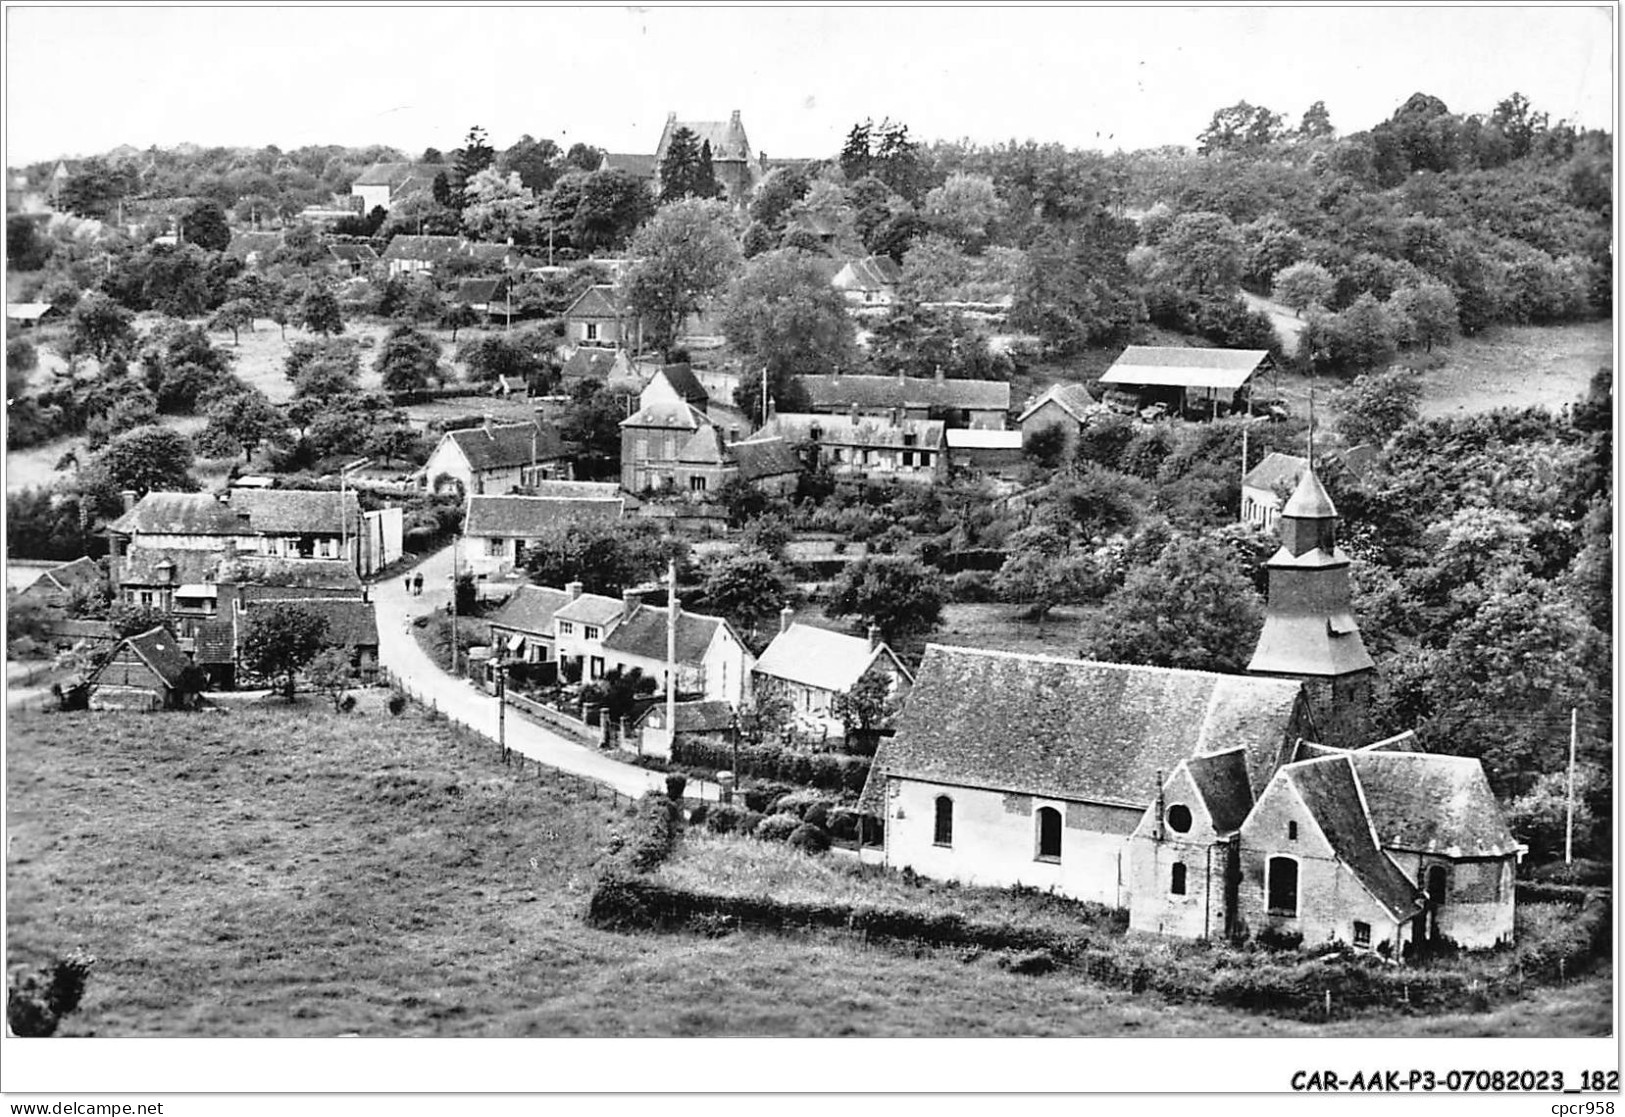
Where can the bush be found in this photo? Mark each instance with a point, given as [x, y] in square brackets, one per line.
[1582, 872]
[800, 802]
[655, 827]
[843, 824]
[817, 814]
[36, 1003]
[675, 785]
[749, 823]
[724, 818]
[397, 703]
[809, 838]
[974, 587]
[777, 828]
[347, 704]
[1271, 939]
[761, 797]
[699, 814]
[1032, 963]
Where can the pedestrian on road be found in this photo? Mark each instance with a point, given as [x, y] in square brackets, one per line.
[409, 584]
[417, 584]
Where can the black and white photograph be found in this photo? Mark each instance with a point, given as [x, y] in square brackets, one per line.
[574, 525]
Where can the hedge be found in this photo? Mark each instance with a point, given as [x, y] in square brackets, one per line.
[655, 827]
[830, 771]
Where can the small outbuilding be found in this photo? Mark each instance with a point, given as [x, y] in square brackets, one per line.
[1200, 380]
[145, 672]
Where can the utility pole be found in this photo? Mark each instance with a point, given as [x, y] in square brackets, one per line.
[1574, 736]
[1246, 428]
[454, 540]
[502, 709]
[671, 648]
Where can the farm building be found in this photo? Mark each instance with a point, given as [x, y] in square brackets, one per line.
[384, 185]
[693, 721]
[25, 315]
[253, 247]
[1199, 380]
[496, 458]
[499, 528]
[145, 672]
[977, 404]
[56, 584]
[604, 366]
[1068, 406]
[353, 259]
[988, 453]
[484, 296]
[813, 666]
[871, 281]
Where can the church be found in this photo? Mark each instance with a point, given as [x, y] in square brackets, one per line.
[1208, 805]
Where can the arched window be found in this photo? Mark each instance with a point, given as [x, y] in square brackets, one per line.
[1179, 818]
[1283, 886]
[1049, 834]
[943, 835]
[1292, 831]
[1177, 885]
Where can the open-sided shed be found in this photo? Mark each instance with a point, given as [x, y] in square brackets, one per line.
[1206, 379]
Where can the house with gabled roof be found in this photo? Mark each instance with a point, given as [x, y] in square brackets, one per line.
[602, 366]
[974, 404]
[384, 185]
[712, 662]
[353, 259]
[600, 319]
[580, 627]
[496, 458]
[641, 167]
[1263, 485]
[56, 584]
[253, 247]
[522, 630]
[868, 449]
[144, 672]
[501, 529]
[868, 282]
[811, 667]
[671, 408]
[1182, 379]
[1036, 770]
[1066, 405]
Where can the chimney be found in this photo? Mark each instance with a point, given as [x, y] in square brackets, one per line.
[939, 374]
[784, 618]
[874, 637]
[128, 497]
[488, 425]
[573, 589]
[671, 118]
[734, 119]
[630, 600]
[854, 413]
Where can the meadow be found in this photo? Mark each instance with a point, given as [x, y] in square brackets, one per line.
[287, 871]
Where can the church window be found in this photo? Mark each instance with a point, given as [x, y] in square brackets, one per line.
[943, 835]
[1283, 886]
[1177, 884]
[1292, 831]
[1049, 834]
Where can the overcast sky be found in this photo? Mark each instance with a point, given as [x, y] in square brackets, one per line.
[83, 80]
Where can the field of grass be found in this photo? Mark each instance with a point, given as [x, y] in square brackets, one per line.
[292, 872]
[997, 627]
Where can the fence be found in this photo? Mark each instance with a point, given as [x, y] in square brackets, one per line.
[554, 719]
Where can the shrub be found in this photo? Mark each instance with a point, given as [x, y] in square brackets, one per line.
[724, 818]
[777, 828]
[347, 704]
[697, 816]
[749, 823]
[843, 824]
[397, 703]
[808, 838]
[675, 785]
[1271, 939]
[817, 814]
[972, 587]
[655, 825]
[36, 1003]
[799, 803]
[1032, 963]
[1582, 871]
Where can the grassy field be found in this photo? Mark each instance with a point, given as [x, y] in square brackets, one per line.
[997, 627]
[298, 873]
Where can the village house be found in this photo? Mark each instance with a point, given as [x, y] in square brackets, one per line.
[600, 319]
[579, 629]
[1035, 770]
[712, 662]
[56, 585]
[975, 404]
[522, 630]
[353, 259]
[985, 453]
[144, 672]
[1261, 488]
[707, 462]
[496, 458]
[872, 450]
[602, 366]
[671, 408]
[1184, 380]
[714, 722]
[25, 316]
[811, 667]
[640, 167]
[384, 185]
[869, 282]
[483, 296]
[499, 529]
[1067, 406]
[407, 255]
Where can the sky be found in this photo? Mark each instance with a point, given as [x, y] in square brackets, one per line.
[84, 80]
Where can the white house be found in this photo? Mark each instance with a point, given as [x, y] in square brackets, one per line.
[871, 281]
[523, 629]
[1261, 488]
[496, 459]
[712, 661]
[579, 629]
[499, 529]
[813, 665]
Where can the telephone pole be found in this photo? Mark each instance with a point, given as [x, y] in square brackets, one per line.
[1574, 736]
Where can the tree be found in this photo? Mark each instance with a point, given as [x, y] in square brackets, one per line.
[147, 459]
[749, 588]
[780, 190]
[705, 175]
[319, 311]
[244, 420]
[499, 208]
[1428, 313]
[205, 226]
[26, 250]
[1191, 608]
[407, 360]
[866, 707]
[610, 207]
[281, 637]
[330, 673]
[584, 157]
[1074, 288]
[1364, 337]
[679, 167]
[1202, 252]
[604, 557]
[591, 423]
[95, 189]
[1377, 404]
[236, 315]
[965, 209]
[783, 313]
[1316, 123]
[46, 523]
[899, 595]
[857, 155]
[127, 619]
[100, 327]
[536, 162]
[686, 254]
[1240, 128]
[476, 155]
[1042, 571]
[1303, 285]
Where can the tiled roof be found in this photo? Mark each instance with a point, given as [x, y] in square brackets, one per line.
[666, 415]
[79, 572]
[1310, 501]
[641, 166]
[696, 717]
[261, 575]
[703, 447]
[530, 610]
[591, 608]
[349, 623]
[598, 301]
[592, 364]
[1330, 791]
[1221, 779]
[431, 249]
[353, 253]
[577, 490]
[864, 431]
[818, 657]
[161, 652]
[1180, 367]
[1071, 397]
[1432, 803]
[140, 566]
[529, 516]
[216, 642]
[644, 634]
[296, 511]
[66, 628]
[508, 445]
[1275, 470]
[1076, 729]
[471, 291]
[760, 458]
[838, 393]
[240, 512]
[27, 312]
[182, 514]
[869, 274]
[396, 175]
[679, 380]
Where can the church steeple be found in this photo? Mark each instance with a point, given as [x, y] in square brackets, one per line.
[1309, 630]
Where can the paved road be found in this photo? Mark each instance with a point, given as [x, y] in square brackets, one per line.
[465, 704]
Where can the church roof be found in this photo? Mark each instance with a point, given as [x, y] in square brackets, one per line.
[1310, 501]
[1326, 646]
[1221, 780]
